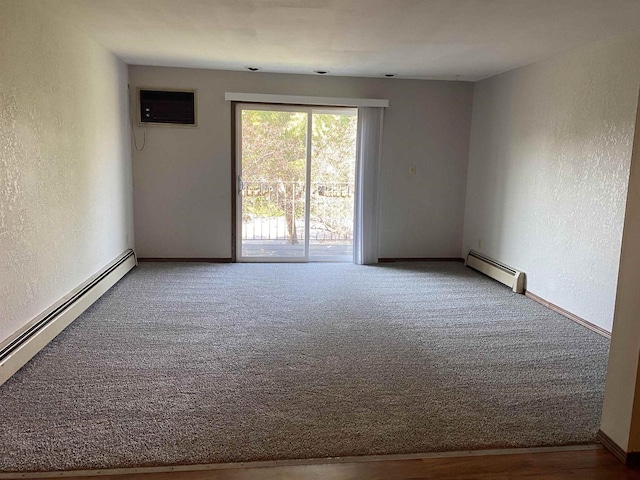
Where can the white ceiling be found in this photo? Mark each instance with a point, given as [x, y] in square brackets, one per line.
[438, 39]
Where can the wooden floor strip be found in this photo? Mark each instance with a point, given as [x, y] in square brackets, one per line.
[583, 464]
[301, 462]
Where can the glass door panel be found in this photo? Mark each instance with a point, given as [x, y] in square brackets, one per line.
[272, 169]
[333, 169]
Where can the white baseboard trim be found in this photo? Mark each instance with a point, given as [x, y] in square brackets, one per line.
[18, 349]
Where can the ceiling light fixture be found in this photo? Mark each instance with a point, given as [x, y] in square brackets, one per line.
[321, 72]
[252, 69]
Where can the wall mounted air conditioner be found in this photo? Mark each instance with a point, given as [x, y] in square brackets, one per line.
[167, 107]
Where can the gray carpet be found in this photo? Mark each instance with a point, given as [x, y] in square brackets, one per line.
[203, 363]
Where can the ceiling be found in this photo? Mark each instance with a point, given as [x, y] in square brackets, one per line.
[436, 39]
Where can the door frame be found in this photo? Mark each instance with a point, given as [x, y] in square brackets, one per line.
[236, 172]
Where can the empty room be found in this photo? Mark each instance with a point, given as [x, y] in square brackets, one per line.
[310, 239]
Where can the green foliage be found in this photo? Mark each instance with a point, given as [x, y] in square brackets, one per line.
[273, 146]
[261, 206]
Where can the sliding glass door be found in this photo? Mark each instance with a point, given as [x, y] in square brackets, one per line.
[296, 175]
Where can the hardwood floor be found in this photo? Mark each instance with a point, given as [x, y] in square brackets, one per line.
[565, 465]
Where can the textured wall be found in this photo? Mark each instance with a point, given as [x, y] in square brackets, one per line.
[65, 160]
[620, 419]
[548, 172]
[182, 179]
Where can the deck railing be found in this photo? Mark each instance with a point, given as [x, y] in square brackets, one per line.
[271, 210]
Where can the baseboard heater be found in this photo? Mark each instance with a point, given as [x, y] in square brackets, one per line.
[18, 349]
[496, 270]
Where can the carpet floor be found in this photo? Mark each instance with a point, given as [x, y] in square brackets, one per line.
[206, 363]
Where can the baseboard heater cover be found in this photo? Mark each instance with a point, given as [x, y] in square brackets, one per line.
[18, 349]
[497, 270]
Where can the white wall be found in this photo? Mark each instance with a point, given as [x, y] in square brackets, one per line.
[620, 419]
[548, 171]
[182, 179]
[65, 160]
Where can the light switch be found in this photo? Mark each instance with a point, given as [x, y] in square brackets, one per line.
[412, 169]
